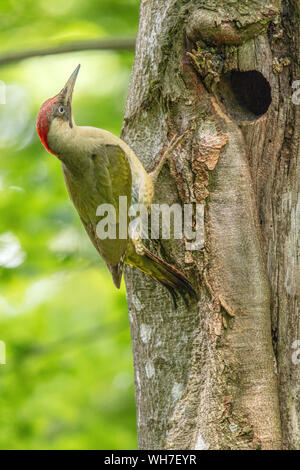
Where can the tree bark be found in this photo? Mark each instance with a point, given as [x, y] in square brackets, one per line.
[220, 375]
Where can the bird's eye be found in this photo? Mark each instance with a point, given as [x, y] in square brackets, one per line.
[61, 109]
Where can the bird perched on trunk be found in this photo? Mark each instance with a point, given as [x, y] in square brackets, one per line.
[99, 168]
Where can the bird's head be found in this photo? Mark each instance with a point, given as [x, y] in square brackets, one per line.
[57, 108]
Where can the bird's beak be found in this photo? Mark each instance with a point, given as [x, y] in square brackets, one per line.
[67, 91]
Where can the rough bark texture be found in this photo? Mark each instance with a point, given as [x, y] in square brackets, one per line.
[208, 377]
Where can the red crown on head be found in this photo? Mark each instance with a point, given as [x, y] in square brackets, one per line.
[43, 121]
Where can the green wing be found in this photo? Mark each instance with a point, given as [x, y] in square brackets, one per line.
[115, 174]
[109, 178]
[116, 178]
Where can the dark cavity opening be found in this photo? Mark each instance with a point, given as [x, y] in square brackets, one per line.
[252, 91]
[245, 95]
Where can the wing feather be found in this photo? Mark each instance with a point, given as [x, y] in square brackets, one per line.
[110, 178]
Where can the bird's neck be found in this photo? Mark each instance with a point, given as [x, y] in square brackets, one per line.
[69, 145]
[60, 137]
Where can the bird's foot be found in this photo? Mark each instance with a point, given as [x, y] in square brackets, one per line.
[172, 146]
[138, 246]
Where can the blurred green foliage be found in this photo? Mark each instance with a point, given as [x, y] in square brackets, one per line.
[68, 381]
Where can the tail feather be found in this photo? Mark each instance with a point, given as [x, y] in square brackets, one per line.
[117, 272]
[166, 274]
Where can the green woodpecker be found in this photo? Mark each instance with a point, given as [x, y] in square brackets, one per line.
[98, 168]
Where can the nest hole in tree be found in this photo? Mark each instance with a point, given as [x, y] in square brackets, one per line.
[245, 95]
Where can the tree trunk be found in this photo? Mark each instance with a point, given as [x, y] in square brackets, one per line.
[210, 376]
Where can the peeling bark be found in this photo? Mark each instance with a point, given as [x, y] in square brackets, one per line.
[210, 377]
